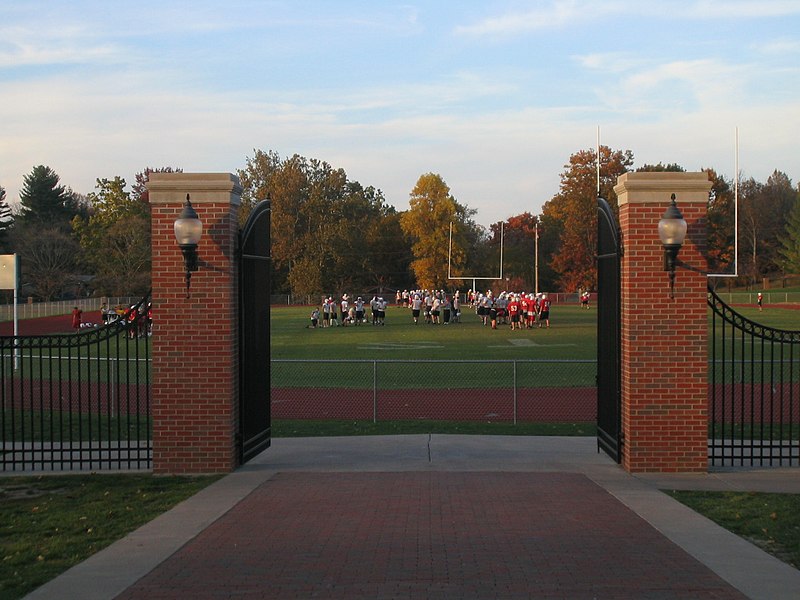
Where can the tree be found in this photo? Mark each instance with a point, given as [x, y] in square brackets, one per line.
[661, 168]
[790, 241]
[427, 223]
[256, 178]
[574, 212]
[139, 192]
[720, 249]
[762, 219]
[115, 239]
[48, 259]
[6, 221]
[779, 198]
[326, 231]
[752, 221]
[45, 203]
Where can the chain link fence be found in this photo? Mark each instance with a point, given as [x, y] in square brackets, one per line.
[548, 391]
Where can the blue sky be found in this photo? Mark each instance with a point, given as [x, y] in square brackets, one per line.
[494, 96]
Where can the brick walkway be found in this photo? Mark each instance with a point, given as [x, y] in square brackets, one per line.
[430, 535]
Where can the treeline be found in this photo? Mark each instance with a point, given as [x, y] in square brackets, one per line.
[331, 234]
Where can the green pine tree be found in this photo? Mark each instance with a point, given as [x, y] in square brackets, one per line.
[45, 203]
[790, 242]
[6, 221]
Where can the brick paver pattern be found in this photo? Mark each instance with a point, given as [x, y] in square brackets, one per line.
[430, 535]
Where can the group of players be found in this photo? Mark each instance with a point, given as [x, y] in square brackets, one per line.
[517, 310]
[520, 310]
[352, 312]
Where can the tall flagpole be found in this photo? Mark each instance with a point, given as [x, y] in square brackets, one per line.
[536, 261]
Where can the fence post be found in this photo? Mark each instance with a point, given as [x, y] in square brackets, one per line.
[514, 363]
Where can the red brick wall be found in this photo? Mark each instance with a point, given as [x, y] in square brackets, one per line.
[195, 344]
[664, 347]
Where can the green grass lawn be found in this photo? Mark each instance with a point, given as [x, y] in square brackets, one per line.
[572, 335]
[407, 352]
[48, 524]
[770, 521]
[777, 316]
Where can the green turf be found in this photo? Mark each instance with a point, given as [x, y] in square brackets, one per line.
[413, 356]
[70, 427]
[572, 335]
[777, 316]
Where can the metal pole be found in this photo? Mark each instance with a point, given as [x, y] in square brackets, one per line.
[536, 260]
[515, 390]
[449, 250]
[374, 391]
[112, 394]
[502, 223]
[16, 314]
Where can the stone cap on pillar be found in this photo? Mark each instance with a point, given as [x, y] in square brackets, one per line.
[171, 188]
[657, 187]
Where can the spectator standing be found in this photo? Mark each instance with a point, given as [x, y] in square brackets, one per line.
[77, 318]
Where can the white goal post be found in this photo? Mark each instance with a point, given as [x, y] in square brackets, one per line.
[474, 277]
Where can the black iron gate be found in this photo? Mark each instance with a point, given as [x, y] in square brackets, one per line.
[609, 394]
[78, 401]
[254, 353]
[754, 391]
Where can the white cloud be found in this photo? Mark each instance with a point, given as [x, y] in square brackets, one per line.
[552, 16]
[569, 13]
[739, 9]
[780, 47]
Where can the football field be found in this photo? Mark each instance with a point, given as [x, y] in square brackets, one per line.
[461, 371]
[572, 335]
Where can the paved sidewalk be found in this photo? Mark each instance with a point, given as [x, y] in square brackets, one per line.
[438, 517]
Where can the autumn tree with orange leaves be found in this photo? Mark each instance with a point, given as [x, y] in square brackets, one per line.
[427, 222]
[573, 212]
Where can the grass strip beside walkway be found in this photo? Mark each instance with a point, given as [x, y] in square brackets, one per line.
[50, 523]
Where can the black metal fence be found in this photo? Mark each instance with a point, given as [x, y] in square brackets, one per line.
[754, 391]
[549, 391]
[78, 401]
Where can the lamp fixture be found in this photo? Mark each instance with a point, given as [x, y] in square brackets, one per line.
[672, 231]
[188, 231]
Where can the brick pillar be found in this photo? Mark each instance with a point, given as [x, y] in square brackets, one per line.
[195, 344]
[664, 341]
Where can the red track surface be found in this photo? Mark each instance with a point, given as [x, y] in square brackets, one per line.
[494, 404]
[46, 325]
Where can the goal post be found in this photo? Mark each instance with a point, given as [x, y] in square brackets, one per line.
[474, 278]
